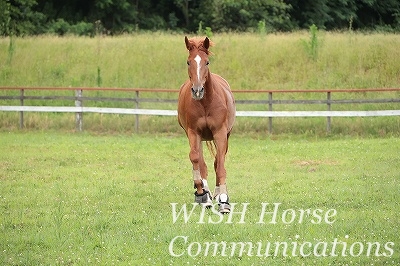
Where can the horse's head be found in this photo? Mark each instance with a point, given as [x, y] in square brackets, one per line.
[198, 65]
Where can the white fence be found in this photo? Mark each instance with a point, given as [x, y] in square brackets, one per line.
[79, 109]
[128, 111]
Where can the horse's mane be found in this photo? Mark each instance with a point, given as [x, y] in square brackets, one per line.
[197, 43]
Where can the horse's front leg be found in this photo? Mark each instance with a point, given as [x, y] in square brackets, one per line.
[221, 192]
[202, 194]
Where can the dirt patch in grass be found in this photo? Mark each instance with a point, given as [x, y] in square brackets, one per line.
[315, 162]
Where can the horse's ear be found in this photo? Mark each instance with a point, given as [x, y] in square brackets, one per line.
[206, 43]
[188, 45]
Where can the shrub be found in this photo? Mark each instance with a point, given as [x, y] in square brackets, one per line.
[311, 47]
[60, 27]
[83, 29]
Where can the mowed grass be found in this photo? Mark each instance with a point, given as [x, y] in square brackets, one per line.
[81, 199]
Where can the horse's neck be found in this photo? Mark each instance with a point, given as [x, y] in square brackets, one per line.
[209, 85]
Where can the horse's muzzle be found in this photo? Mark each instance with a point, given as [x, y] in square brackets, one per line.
[198, 93]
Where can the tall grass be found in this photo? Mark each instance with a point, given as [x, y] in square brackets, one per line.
[247, 61]
[157, 60]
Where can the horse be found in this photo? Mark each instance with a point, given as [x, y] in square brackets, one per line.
[206, 111]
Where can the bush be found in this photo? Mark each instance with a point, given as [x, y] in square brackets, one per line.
[59, 27]
[83, 29]
[62, 27]
[311, 47]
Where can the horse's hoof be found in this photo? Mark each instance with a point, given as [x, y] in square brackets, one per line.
[223, 202]
[224, 208]
[203, 199]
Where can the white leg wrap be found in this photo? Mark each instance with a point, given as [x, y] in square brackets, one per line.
[205, 184]
[222, 189]
[223, 199]
[196, 175]
[216, 192]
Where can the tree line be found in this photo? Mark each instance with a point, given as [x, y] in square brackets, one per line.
[31, 17]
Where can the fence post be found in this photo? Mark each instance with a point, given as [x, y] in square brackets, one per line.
[328, 118]
[78, 115]
[270, 109]
[21, 114]
[137, 116]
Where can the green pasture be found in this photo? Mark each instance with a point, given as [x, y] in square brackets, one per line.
[80, 199]
[247, 61]
[336, 60]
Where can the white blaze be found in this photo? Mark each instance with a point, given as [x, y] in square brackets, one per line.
[198, 60]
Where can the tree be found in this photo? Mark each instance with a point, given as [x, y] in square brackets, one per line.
[183, 5]
[374, 13]
[242, 15]
[19, 17]
[22, 17]
[116, 15]
[5, 17]
[360, 14]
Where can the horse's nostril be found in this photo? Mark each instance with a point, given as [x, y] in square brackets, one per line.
[201, 89]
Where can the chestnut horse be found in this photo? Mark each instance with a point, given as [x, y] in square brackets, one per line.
[206, 111]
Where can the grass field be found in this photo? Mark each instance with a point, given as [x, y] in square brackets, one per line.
[247, 61]
[78, 199]
[107, 196]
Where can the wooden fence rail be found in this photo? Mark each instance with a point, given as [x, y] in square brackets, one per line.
[79, 109]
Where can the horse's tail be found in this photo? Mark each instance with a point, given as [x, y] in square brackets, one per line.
[212, 148]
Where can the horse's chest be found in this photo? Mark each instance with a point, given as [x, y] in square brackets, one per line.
[206, 119]
[208, 122]
[205, 128]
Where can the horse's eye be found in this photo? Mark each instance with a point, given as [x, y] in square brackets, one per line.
[188, 63]
[208, 62]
